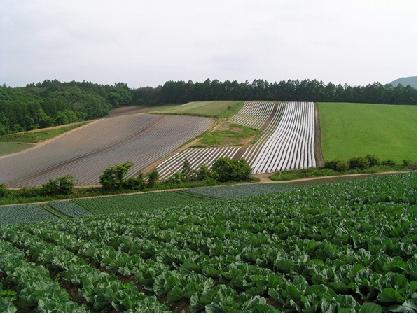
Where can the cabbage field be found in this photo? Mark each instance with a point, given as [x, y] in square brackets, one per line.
[347, 247]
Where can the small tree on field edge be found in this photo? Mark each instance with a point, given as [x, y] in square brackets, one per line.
[113, 177]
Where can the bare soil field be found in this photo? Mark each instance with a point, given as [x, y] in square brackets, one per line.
[86, 151]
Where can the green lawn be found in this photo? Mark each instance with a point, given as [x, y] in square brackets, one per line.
[38, 135]
[227, 134]
[219, 109]
[12, 147]
[350, 129]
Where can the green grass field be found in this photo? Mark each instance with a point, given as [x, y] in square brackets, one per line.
[39, 135]
[350, 129]
[12, 147]
[16, 142]
[217, 109]
[227, 134]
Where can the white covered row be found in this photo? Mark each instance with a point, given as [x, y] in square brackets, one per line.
[196, 157]
[253, 114]
[291, 144]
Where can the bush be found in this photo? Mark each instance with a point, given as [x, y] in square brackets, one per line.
[176, 178]
[113, 177]
[3, 190]
[226, 169]
[152, 178]
[60, 186]
[204, 173]
[388, 163]
[186, 171]
[409, 164]
[135, 182]
[358, 162]
[336, 165]
[372, 160]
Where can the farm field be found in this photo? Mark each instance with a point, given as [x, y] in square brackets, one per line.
[16, 142]
[87, 151]
[285, 139]
[350, 129]
[216, 109]
[292, 251]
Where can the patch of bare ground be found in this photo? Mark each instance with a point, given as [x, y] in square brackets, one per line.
[127, 110]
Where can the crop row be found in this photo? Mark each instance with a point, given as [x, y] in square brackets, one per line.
[24, 213]
[196, 157]
[290, 251]
[254, 114]
[86, 152]
[291, 145]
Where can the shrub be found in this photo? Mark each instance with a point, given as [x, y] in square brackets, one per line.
[358, 162]
[186, 171]
[60, 186]
[388, 163]
[113, 177]
[226, 169]
[3, 190]
[135, 182]
[336, 165]
[372, 160]
[176, 178]
[152, 178]
[203, 173]
[409, 164]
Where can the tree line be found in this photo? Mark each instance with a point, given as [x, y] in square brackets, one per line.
[175, 92]
[53, 102]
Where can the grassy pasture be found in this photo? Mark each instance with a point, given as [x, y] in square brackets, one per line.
[227, 134]
[351, 129]
[39, 135]
[12, 147]
[216, 109]
[15, 142]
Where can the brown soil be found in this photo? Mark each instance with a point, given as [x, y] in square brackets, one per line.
[127, 110]
[318, 154]
[95, 152]
[185, 146]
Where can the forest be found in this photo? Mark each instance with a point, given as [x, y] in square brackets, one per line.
[53, 102]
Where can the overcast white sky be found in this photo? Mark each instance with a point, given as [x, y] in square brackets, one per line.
[150, 42]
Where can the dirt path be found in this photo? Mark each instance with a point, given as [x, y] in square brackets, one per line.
[264, 179]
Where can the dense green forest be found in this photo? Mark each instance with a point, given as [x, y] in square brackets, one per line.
[53, 103]
[291, 90]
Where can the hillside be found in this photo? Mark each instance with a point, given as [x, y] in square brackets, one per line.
[332, 247]
[350, 129]
[406, 81]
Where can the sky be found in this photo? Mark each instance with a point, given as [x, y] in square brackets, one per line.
[145, 43]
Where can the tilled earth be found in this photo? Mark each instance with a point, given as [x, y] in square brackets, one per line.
[85, 152]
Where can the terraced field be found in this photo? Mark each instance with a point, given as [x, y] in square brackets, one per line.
[85, 152]
[196, 157]
[287, 140]
[343, 247]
